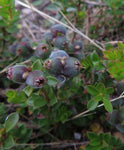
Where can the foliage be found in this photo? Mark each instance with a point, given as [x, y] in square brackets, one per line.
[103, 141]
[8, 22]
[59, 85]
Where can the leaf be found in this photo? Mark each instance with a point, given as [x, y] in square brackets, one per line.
[36, 101]
[14, 97]
[37, 65]
[95, 57]
[109, 90]
[92, 90]
[52, 81]
[28, 90]
[92, 135]
[98, 98]
[8, 143]
[92, 104]
[51, 95]
[11, 121]
[107, 105]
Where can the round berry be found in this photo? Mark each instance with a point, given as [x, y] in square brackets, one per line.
[42, 51]
[77, 45]
[48, 37]
[53, 65]
[58, 30]
[71, 67]
[58, 53]
[18, 73]
[36, 79]
[61, 42]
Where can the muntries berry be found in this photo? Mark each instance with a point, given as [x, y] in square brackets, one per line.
[22, 48]
[36, 79]
[26, 42]
[53, 65]
[58, 53]
[12, 48]
[48, 37]
[61, 42]
[42, 51]
[58, 30]
[71, 67]
[78, 49]
[18, 73]
[77, 45]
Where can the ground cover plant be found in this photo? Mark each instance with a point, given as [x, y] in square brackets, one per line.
[61, 75]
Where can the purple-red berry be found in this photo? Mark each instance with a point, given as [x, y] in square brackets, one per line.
[71, 67]
[18, 73]
[36, 79]
[61, 42]
[48, 37]
[53, 65]
[43, 51]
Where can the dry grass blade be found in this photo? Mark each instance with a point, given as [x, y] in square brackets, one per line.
[51, 19]
[87, 111]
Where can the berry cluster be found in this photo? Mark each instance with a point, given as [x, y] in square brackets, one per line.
[22, 48]
[57, 62]
[57, 38]
[22, 74]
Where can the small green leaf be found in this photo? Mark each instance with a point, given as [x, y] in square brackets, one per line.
[40, 102]
[52, 81]
[92, 135]
[28, 90]
[109, 90]
[92, 90]
[11, 121]
[108, 105]
[37, 65]
[92, 104]
[51, 95]
[11, 94]
[14, 97]
[95, 57]
[8, 143]
[98, 98]
[36, 101]
[95, 142]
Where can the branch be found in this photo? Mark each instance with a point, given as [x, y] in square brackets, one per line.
[63, 144]
[87, 111]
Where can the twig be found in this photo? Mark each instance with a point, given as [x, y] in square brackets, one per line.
[87, 111]
[30, 31]
[114, 42]
[93, 3]
[51, 19]
[6, 68]
[62, 144]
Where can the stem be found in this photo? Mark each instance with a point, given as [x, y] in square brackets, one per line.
[87, 111]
